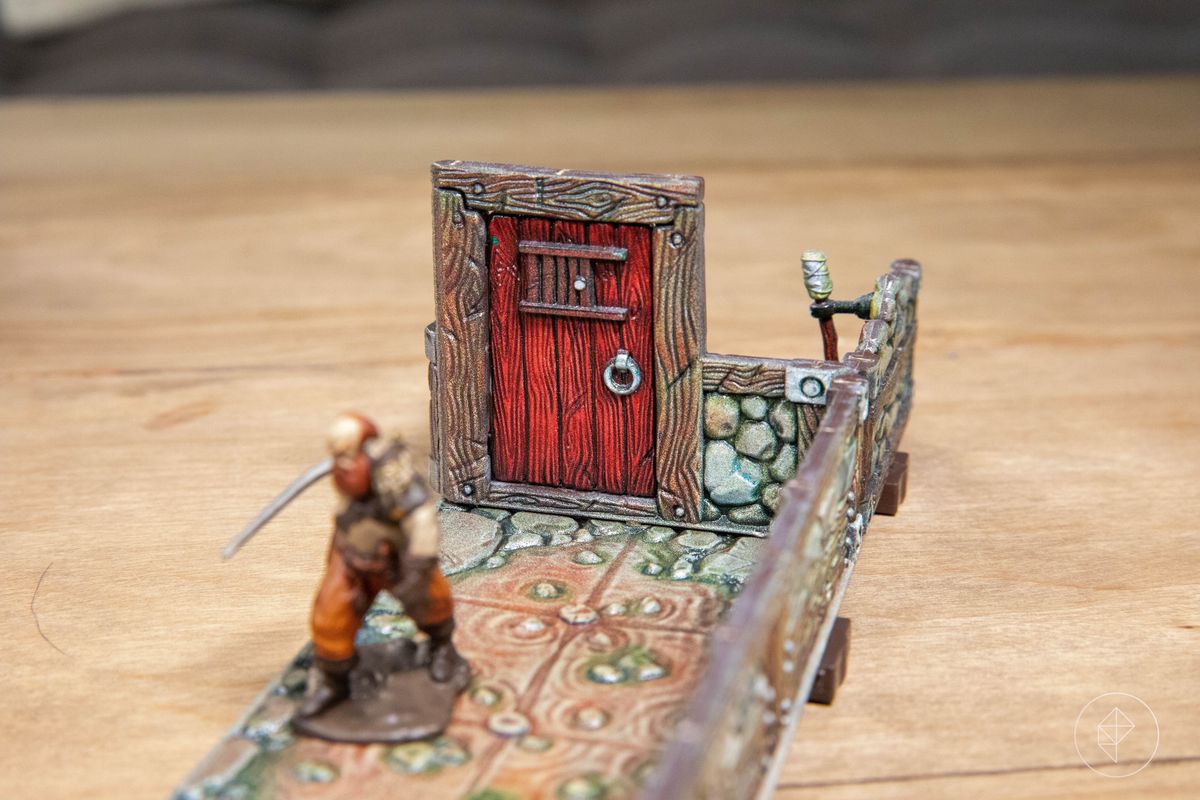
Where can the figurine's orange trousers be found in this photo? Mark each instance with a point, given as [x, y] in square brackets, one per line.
[344, 597]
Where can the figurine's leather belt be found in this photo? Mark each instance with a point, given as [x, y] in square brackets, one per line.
[380, 565]
[382, 561]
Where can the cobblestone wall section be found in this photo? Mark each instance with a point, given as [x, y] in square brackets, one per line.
[753, 445]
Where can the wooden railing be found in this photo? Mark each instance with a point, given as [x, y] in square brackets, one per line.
[884, 357]
[764, 657]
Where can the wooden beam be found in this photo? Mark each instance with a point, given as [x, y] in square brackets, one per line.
[571, 501]
[569, 194]
[614, 313]
[569, 250]
[679, 329]
[750, 374]
[463, 412]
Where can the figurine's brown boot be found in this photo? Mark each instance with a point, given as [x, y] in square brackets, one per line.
[328, 685]
[444, 659]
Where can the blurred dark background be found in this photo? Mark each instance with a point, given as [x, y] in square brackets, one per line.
[131, 46]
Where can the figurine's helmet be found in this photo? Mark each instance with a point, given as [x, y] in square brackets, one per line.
[350, 431]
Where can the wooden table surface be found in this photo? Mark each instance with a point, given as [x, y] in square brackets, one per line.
[190, 288]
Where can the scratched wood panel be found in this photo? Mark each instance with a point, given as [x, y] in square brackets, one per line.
[548, 283]
[435, 469]
[610, 418]
[539, 351]
[461, 296]
[435, 431]
[510, 418]
[808, 420]
[678, 347]
[576, 374]
[551, 498]
[578, 195]
[639, 341]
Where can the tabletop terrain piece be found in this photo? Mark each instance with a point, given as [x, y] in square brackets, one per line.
[648, 542]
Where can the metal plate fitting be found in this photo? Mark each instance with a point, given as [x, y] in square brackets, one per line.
[809, 384]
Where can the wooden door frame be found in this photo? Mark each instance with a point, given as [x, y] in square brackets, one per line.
[460, 363]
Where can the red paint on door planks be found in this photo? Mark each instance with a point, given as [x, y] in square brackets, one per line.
[610, 417]
[555, 423]
[509, 415]
[543, 443]
[575, 385]
[639, 341]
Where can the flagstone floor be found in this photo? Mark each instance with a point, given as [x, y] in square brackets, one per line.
[586, 639]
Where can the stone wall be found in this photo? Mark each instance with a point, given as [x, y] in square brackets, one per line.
[753, 445]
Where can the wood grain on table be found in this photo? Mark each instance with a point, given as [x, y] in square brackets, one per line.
[191, 288]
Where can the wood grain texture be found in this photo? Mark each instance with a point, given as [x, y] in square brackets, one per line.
[611, 441]
[638, 340]
[547, 279]
[610, 313]
[435, 466]
[543, 444]
[679, 343]
[749, 374]
[808, 420]
[572, 250]
[563, 350]
[570, 194]
[576, 375]
[461, 295]
[547, 498]
[510, 414]
[435, 437]
[258, 264]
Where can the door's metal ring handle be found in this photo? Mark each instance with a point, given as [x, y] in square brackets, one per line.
[623, 362]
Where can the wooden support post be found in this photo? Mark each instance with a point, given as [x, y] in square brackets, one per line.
[834, 661]
[895, 486]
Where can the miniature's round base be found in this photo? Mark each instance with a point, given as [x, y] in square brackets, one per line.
[392, 699]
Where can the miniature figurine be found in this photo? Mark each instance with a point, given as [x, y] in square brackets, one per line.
[385, 538]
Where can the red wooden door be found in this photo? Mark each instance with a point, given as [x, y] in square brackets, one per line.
[567, 298]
